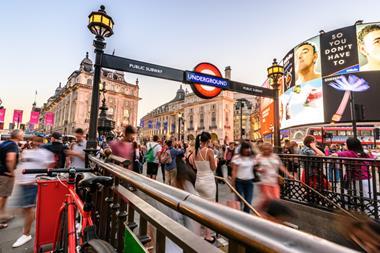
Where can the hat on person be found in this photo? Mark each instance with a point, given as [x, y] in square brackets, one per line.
[56, 135]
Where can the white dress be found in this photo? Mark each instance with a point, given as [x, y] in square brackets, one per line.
[205, 182]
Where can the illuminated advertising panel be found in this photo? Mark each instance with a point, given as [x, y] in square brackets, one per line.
[302, 101]
[320, 74]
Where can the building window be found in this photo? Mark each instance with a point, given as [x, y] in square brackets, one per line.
[191, 122]
[227, 119]
[89, 81]
[213, 107]
[213, 119]
[201, 120]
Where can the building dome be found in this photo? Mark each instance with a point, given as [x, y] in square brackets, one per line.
[58, 89]
[180, 94]
[86, 64]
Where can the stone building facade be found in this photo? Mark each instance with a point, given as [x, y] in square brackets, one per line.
[250, 118]
[71, 103]
[188, 115]
[163, 120]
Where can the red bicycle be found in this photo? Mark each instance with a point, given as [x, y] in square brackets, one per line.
[63, 220]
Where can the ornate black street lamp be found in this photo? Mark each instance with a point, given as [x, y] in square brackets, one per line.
[105, 125]
[100, 24]
[179, 126]
[275, 72]
[240, 103]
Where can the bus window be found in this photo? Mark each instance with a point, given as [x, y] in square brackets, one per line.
[342, 133]
[365, 133]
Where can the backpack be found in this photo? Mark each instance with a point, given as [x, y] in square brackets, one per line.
[149, 156]
[166, 157]
[3, 168]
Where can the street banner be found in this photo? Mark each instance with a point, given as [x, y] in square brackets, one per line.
[17, 116]
[150, 124]
[2, 115]
[34, 116]
[49, 119]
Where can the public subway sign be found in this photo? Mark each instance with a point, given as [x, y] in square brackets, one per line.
[194, 77]
[206, 80]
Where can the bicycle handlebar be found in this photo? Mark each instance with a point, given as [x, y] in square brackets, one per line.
[47, 171]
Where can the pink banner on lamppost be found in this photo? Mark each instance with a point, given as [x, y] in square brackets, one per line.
[17, 116]
[49, 119]
[34, 116]
[2, 115]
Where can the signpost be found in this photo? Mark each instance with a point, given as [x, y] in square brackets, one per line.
[195, 78]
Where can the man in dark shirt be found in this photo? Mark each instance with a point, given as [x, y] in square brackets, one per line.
[9, 152]
[58, 149]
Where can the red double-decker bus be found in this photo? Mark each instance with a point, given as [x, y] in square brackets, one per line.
[339, 134]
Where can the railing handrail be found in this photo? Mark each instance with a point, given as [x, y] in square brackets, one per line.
[184, 238]
[331, 157]
[238, 195]
[247, 229]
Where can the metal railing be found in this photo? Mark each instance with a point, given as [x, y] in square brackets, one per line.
[242, 231]
[350, 183]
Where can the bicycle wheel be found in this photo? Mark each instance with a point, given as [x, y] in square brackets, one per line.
[61, 245]
[97, 246]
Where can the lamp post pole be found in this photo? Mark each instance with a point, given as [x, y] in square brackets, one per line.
[99, 45]
[275, 72]
[241, 120]
[100, 24]
[179, 128]
[353, 114]
[276, 118]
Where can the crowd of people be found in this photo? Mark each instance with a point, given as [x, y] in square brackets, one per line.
[17, 155]
[190, 166]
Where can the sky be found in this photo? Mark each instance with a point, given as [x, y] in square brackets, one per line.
[43, 42]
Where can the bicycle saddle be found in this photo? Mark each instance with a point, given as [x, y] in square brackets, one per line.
[91, 182]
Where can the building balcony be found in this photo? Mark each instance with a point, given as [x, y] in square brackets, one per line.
[227, 127]
[201, 128]
[213, 127]
[190, 129]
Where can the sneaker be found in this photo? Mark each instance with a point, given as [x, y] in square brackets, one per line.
[22, 240]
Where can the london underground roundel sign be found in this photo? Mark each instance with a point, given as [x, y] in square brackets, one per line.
[206, 91]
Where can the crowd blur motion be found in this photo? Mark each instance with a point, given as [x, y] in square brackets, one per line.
[250, 169]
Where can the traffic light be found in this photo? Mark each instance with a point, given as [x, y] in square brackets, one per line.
[377, 133]
[359, 112]
[242, 131]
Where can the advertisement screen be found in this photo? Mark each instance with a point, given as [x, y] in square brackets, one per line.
[365, 87]
[322, 72]
[368, 36]
[339, 53]
[302, 100]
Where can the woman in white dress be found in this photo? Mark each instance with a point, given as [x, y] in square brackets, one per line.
[204, 162]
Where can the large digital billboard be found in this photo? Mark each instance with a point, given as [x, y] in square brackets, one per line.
[321, 73]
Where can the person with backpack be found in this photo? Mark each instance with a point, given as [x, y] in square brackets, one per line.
[168, 157]
[58, 149]
[151, 156]
[9, 154]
